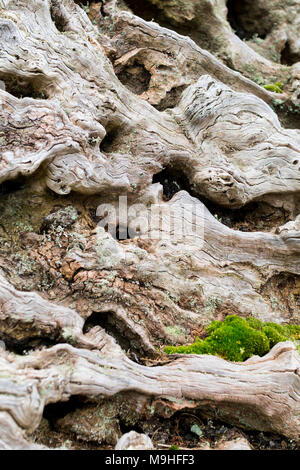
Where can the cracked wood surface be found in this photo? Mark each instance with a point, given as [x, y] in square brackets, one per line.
[82, 108]
[68, 124]
[261, 393]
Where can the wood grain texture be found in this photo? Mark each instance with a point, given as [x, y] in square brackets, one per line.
[89, 112]
[261, 393]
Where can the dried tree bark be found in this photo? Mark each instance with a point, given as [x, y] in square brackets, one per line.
[91, 110]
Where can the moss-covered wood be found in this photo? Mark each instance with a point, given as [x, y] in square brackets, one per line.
[238, 339]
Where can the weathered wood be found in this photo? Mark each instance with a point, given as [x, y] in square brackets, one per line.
[268, 31]
[261, 393]
[74, 120]
[161, 289]
[172, 60]
[134, 441]
[67, 135]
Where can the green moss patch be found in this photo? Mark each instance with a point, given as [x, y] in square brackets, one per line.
[236, 339]
[275, 87]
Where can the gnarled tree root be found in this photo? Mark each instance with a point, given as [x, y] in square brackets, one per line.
[262, 393]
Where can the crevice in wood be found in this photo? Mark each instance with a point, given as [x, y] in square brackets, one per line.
[135, 77]
[171, 99]
[27, 344]
[287, 56]
[117, 328]
[24, 86]
[255, 216]
[144, 9]
[11, 186]
[108, 144]
[55, 411]
[127, 427]
[57, 16]
[246, 20]
[172, 180]
[122, 233]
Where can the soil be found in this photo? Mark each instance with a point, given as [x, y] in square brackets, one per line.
[173, 432]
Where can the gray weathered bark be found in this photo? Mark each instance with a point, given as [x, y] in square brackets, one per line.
[90, 112]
